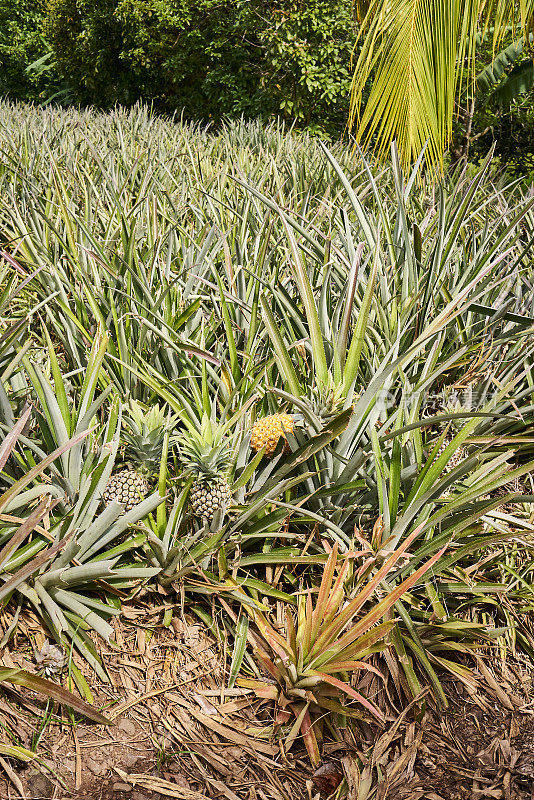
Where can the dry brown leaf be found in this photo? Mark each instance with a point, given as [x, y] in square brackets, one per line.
[166, 788]
[223, 789]
[13, 777]
[503, 697]
[327, 777]
[233, 736]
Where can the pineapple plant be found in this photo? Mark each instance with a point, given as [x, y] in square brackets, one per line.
[460, 402]
[267, 431]
[143, 436]
[328, 399]
[206, 455]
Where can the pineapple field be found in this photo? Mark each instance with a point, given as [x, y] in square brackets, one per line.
[266, 452]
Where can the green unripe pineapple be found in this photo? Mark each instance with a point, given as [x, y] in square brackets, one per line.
[206, 454]
[208, 496]
[143, 435]
[127, 486]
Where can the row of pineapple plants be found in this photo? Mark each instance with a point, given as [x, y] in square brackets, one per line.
[253, 379]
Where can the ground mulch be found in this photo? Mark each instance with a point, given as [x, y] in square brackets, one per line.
[178, 734]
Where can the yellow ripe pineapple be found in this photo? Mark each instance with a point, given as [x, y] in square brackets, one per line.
[324, 403]
[267, 431]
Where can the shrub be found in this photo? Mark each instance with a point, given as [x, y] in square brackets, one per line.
[85, 37]
[22, 43]
[209, 58]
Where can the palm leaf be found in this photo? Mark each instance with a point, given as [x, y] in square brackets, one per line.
[417, 52]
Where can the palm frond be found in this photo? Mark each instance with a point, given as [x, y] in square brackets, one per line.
[416, 54]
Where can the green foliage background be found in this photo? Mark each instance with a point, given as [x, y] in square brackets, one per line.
[505, 115]
[21, 43]
[210, 58]
[216, 59]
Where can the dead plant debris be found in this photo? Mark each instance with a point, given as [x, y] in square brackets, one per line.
[178, 733]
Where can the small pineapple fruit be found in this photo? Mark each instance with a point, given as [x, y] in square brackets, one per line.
[206, 454]
[450, 402]
[127, 486]
[143, 435]
[51, 659]
[266, 432]
[208, 496]
[456, 457]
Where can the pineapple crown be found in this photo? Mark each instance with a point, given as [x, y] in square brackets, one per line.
[147, 420]
[328, 399]
[206, 449]
[143, 433]
[455, 401]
